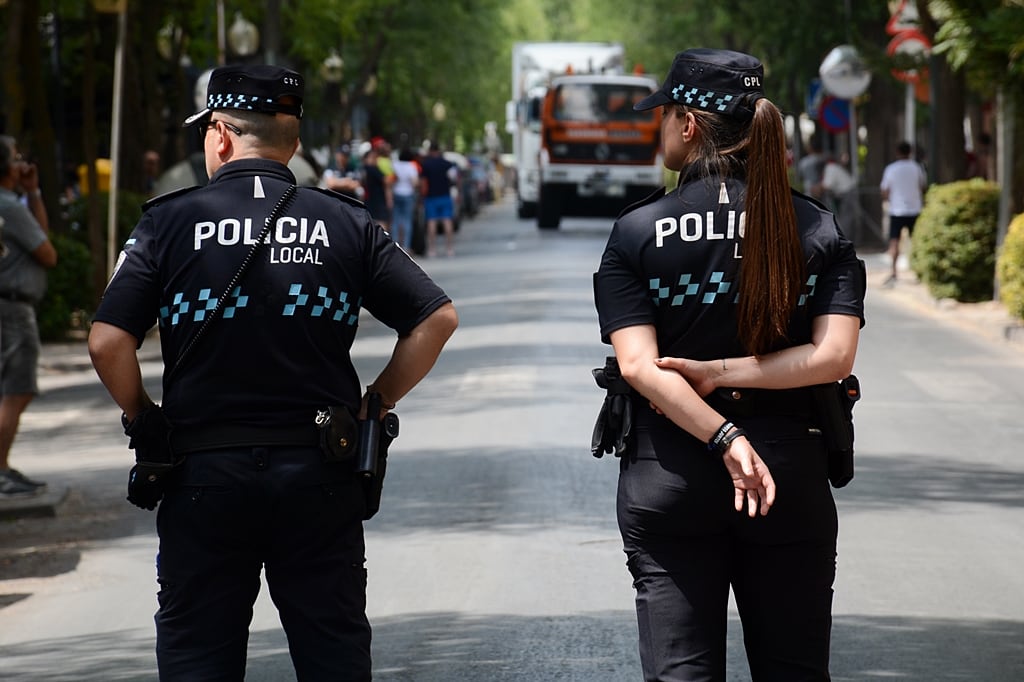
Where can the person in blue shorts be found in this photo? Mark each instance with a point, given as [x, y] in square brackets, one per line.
[436, 180]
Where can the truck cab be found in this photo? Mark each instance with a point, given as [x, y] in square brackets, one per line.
[597, 154]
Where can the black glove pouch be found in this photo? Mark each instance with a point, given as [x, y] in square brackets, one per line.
[339, 434]
[149, 436]
[613, 431]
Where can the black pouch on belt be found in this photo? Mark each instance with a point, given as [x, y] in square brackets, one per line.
[834, 406]
[339, 433]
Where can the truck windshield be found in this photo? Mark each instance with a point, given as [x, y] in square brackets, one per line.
[599, 102]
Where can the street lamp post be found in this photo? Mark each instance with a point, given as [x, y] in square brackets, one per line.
[243, 37]
[332, 70]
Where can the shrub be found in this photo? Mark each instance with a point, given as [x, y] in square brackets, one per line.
[954, 240]
[68, 296]
[69, 301]
[1010, 268]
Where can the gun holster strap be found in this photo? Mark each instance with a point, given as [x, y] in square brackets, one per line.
[750, 402]
[185, 440]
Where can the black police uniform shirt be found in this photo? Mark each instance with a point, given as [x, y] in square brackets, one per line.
[280, 349]
[672, 261]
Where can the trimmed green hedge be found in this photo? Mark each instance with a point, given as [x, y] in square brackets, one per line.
[69, 301]
[1010, 268]
[954, 240]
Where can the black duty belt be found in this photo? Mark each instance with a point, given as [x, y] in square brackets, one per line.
[749, 402]
[185, 440]
[15, 297]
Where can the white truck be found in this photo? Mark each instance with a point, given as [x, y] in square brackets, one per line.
[534, 64]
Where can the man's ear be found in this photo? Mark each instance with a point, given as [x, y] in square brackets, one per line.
[224, 142]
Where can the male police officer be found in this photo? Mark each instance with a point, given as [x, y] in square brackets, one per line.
[233, 452]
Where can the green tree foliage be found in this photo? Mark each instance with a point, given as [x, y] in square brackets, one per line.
[401, 58]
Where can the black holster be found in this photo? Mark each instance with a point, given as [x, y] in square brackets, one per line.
[362, 444]
[613, 431]
[834, 411]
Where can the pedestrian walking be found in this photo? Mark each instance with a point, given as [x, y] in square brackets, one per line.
[404, 191]
[903, 183]
[437, 177]
[256, 333]
[811, 170]
[26, 253]
[724, 299]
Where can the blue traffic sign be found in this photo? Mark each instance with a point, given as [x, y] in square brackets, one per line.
[835, 114]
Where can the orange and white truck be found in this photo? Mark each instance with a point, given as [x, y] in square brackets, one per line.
[580, 148]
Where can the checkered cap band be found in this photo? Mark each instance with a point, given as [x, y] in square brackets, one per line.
[228, 100]
[709, 100]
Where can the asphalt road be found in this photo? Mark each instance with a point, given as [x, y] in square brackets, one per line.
[496, 556]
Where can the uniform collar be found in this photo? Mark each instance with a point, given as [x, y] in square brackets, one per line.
[247, 167]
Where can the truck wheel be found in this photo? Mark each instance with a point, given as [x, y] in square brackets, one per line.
[527, 210]
[549, 210]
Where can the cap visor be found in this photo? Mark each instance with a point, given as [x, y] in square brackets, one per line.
[655, 99]
[195, 118]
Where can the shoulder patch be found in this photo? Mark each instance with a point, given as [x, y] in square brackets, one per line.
[338, 195]
[163, 198]
[650, 199]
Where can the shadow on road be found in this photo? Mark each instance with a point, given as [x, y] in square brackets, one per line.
[902, 480]
[597, 647]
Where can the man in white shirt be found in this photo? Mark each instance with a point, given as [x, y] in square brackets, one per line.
[903, 183]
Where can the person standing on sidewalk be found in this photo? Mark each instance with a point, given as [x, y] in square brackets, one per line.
[27, 254]
[903, 184]
[244, 478]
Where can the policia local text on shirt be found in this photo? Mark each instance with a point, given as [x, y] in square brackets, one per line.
[233, 456]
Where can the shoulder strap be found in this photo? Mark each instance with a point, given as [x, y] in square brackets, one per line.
[268, 224]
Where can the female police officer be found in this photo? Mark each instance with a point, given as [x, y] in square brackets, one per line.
[751, 287]
[244, 483]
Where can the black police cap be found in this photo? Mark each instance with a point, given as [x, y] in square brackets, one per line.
[719, 81]
[262, 88]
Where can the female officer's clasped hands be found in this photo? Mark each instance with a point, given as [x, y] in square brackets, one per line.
[751, 478]
[701, 375]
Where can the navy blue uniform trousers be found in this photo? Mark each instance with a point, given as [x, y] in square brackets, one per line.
[686, 545]
[230, 513]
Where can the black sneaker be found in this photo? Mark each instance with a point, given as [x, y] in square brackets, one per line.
[16, 475]
[10, 487]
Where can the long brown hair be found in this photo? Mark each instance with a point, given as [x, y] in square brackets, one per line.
[773, 265]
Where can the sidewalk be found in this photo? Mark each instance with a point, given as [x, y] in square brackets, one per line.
[987, 319]
[62, 364]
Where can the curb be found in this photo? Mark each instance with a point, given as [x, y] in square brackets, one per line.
[988, 319]
[43, 505]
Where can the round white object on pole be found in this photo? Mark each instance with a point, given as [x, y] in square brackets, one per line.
[843, 72]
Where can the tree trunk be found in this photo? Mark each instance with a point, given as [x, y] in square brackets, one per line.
[14, 92]
[41, 139]
[90, 144]
[947, 150]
